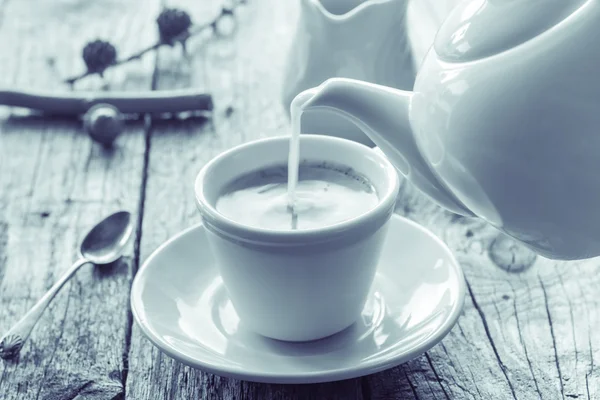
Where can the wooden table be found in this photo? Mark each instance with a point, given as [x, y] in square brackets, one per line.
[529, 328]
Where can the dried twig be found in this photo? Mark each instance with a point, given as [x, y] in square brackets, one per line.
[195, 30]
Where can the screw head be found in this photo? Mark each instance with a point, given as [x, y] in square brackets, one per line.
[104, 123]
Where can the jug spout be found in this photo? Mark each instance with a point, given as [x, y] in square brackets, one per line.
[382, 113]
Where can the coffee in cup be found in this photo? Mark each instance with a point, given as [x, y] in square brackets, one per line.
[325, 194]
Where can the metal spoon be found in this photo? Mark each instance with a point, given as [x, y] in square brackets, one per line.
[102, 245]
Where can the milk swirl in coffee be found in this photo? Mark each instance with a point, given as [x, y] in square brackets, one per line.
[298, 196]
[325, 194]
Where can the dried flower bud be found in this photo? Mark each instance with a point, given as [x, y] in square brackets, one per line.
[103, 123]
[172, 23]
[99, 55]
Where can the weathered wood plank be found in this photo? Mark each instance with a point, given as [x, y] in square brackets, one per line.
[55, 184]
[521, 312]
[239, 73]
[528, 326]
[525, 330]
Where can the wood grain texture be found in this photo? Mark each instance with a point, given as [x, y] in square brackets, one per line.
[525, 333]
[241, 72]
[528, 329]
[518, 316]
[54, 185]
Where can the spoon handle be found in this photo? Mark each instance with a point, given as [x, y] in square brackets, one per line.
[12, 342]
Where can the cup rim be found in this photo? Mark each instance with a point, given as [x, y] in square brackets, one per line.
[214, 219]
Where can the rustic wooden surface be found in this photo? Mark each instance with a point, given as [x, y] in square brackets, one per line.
[529, 326]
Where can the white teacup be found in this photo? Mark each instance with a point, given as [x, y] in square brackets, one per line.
[306, 284]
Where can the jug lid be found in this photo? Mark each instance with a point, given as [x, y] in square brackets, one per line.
[481, 28]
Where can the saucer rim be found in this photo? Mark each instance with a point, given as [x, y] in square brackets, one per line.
[330, 375]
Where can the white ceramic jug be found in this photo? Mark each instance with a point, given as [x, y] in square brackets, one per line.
[503, 122]
[360, 39]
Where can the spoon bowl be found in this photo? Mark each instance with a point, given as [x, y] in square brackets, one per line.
[105, 242]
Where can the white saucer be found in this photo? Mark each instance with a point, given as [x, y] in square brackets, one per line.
[179, 302]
